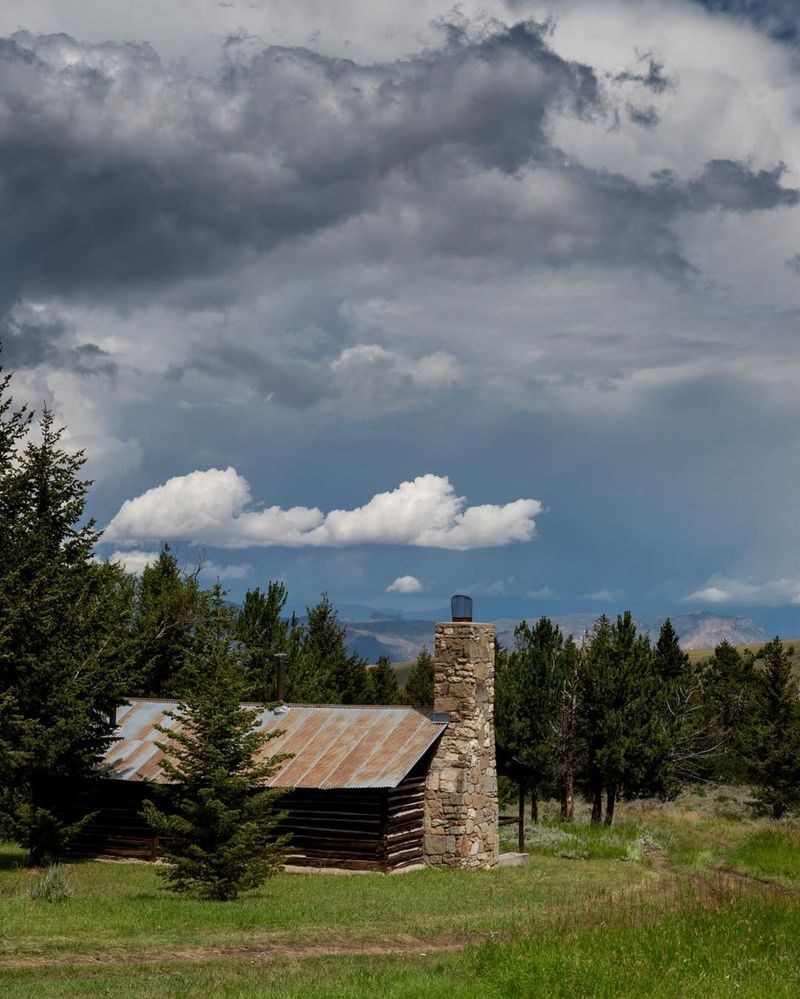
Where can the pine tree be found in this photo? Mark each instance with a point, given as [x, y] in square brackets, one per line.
[771, 743]
[168, 606]
[730, 686]
[567, 744]
[382, 685]
[265, 633]
[64, 631]
[218, 827]
[618, 711]
[326, 672]
[420, 683]
[526, 698]
[679, 743]
[670, 662]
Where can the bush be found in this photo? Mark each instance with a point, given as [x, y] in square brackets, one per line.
[54, 886]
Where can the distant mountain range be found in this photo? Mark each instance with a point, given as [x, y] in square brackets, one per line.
[399, 639]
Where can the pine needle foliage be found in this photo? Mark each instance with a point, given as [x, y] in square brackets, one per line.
[217, 822]
[382, 685]
[63, 632]
[419, 686]
[772, 739]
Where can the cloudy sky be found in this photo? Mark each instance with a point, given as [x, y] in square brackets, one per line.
[396, 300]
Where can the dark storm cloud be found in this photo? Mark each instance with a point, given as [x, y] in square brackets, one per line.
[118, 172]
[120, 176]
[780, 18]
[31, 344]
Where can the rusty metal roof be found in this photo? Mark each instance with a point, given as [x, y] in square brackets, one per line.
[333, 746]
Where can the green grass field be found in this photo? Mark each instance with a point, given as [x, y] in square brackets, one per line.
[694, 898]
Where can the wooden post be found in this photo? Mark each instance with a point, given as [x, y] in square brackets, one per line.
[521, 828]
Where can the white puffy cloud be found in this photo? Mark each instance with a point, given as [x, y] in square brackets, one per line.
[726, 590]
[405, 584]
[214, 507]
[213, 571]
[135, 562]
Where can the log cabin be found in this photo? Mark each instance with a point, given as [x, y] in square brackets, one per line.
[368, 787]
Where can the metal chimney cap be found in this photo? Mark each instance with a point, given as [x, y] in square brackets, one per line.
[461, 607]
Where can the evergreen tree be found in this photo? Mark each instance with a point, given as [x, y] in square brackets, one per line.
[219, 828]
[13, 760]
[64, 630]
[730, 686]
[678, 738]
[264, 633]
[326, 672]
[567, 744]
[420, 682]
[670, 662]
[526, 698]
[771, 743]
[168, 605]
[619, 709]
[382, 685]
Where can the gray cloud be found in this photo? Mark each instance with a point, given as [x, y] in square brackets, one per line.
[291, 381]
[653, 78]
[647, 117]
[122, 176]
[779, 17]
[119, 172]
[29, 344]
[734, 187]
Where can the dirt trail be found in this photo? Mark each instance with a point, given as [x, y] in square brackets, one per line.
[256, 951]
[723, 874]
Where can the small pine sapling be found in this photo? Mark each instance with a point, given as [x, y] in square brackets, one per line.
[218, 822]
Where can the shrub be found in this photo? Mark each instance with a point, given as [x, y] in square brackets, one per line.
[54, 886]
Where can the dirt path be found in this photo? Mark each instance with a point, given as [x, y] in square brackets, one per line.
[258, 952]
[723, 874]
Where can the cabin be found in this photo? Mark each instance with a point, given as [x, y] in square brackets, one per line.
[369, 788]
[356, 774]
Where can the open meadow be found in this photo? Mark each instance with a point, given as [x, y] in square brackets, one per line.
[693, 898]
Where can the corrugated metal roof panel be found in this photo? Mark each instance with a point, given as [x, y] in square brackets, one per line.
[332, 746]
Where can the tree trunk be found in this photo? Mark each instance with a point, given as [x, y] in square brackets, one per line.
[35, 846]
[534, 803]
[611, 800]
[568, 798]
[597, 805]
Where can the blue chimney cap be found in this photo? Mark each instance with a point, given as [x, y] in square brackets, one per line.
[461, 607]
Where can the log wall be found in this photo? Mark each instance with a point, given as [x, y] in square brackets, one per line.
[376, 829]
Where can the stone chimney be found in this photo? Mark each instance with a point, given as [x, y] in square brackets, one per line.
[461, 814]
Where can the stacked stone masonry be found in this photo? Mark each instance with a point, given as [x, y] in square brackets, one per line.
[461, 813]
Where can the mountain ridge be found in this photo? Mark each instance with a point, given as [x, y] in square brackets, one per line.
[399, 639]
